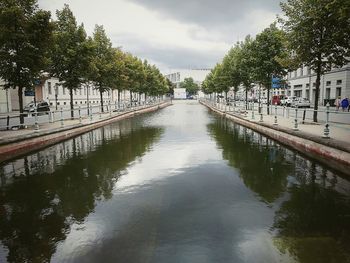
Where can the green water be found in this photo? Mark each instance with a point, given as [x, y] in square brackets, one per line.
[178, 185]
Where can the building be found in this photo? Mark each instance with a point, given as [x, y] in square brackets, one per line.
[52, 91]
[178, 75]
[335, 83]
[179, 93]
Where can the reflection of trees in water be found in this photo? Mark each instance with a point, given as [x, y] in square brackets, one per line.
[314, 224]
[262, 164]
[60, 185]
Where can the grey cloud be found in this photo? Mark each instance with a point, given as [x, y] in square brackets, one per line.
[209, 13]
[168, 57]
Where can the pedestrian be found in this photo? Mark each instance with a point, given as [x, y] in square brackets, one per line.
[337, 103]
[345, 104]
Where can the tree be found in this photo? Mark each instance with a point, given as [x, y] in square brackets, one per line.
[70, 52]
[119, 77]
[25, 36]
[246, 65]
[103, 66]
[267, 51]
[318, 34]
[231, 63]
[190, 86]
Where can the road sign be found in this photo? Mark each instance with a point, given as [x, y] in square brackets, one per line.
[29, 93]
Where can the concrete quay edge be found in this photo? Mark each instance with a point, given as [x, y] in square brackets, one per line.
[330, 155]
[36, 141]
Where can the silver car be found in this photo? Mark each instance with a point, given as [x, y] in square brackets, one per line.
[301, 103]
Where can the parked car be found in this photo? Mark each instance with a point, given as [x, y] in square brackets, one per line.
[276, 99]
[301, 103]
[42, 107]
[287, 101]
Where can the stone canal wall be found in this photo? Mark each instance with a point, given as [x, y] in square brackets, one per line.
[35, 141]
[335, 154]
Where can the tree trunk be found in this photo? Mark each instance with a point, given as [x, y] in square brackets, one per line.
[317, 91]
[246, 98]
[71, 103]
[101, 99]
[118, 98]
[130, 97]
[268, 99]
[20, 99]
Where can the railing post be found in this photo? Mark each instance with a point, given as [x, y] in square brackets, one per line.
[275, 122]
[110, 109]
[79, 112]
[296, 120]
[90, 112]
[326, 128]
[62, 124]
[36, 126]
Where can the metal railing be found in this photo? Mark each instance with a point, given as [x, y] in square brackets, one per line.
[63, 115]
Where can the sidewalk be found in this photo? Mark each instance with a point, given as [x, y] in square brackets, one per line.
[15, 143]
[308, 138]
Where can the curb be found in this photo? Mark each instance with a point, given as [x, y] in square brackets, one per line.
[331, 153]
[32, 142]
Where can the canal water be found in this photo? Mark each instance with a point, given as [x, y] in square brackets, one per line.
[178, 185]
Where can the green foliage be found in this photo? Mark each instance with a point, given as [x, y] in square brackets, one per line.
[25, 35]
[318, 34]
[70, 52]
[190, 86]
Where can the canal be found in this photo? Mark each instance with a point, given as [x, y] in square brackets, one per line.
[178, 185]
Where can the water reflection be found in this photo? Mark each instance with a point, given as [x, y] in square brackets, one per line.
[43, 194]
[312, 218]
[263, 165]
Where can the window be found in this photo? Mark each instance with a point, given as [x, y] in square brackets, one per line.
[328, 83]
[302, 71]
[314, 84]
[297, 93]
[56, 89]
[49, 87]
[75, 92]
[58, 103]
[339, 81]
[338, 92]
[64, 103]
[63, 90]
[328, 93]
[308, 70]
[307, 95]
[307, 85]
[80, 92]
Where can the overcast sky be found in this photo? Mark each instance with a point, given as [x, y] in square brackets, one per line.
[173, 33]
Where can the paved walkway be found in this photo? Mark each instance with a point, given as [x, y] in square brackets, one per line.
[13, 135]
[339, 134]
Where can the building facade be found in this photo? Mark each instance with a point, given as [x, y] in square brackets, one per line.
[334, 84]
[178, 75]
[52, 91]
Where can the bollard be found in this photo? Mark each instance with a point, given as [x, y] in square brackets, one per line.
[8, 122]
[326, 128]
[90, 112]
[296, 120]
[79, 114]
[275, 122]
[51, 117]
[36, 126]
[62, 124]
[110, 109]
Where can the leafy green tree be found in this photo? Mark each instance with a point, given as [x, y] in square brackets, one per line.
[231, 64]
[103, 65]
[318, 34]
[25, 36]
[246, 66]
[70, 53]
[190, 86]
[267, 51]
[119, 77]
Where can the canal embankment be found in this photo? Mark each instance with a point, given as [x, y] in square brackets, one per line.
[15, 143]
[333, 151]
